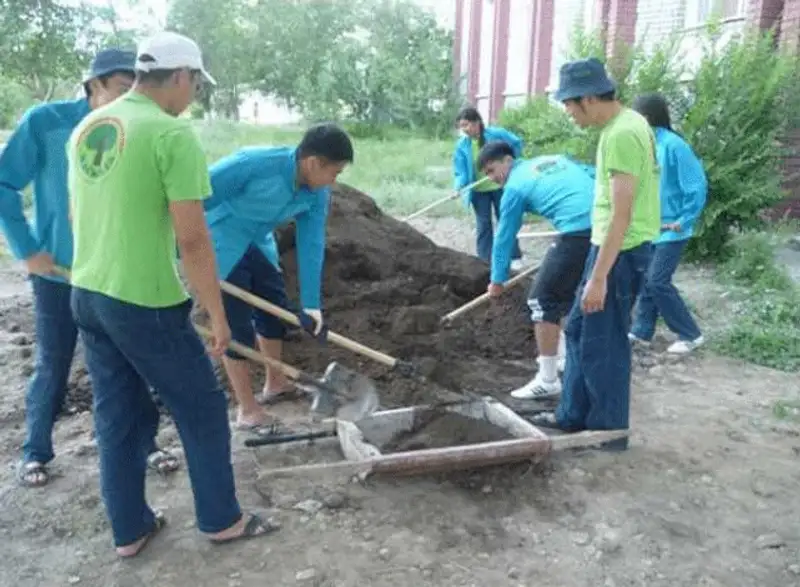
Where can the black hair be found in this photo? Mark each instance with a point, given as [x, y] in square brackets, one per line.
[326, 140]
[103, 79]
[471, 114]
[494, 151]
[654, 108]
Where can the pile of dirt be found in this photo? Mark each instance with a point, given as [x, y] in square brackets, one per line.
[386, 285]
[440, 429]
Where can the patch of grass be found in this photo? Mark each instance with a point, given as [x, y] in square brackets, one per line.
[403, 173]
[765, 328]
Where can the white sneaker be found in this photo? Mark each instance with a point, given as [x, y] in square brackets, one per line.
[517, 265]
[636, 340]
[684, 347]
[562, 363]
[537, 388]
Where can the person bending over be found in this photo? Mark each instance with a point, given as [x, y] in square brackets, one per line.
[560, 190]
[255, 191]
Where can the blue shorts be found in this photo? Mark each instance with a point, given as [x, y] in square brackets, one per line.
[254, 273]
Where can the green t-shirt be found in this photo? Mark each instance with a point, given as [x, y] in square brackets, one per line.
[627, 145]
[127, 162]
[486, 186]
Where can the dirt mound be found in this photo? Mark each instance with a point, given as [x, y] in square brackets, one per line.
[440, 429]
[387, 285]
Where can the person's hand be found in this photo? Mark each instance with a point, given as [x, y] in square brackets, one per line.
[220, 336]
[673, 226]
[318, 321]
[41, 264]
[495, 290]
[594, 296]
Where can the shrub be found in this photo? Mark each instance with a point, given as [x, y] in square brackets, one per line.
[732, 116]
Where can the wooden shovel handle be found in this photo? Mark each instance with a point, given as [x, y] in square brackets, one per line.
[485, 297]
[248, 353]
[445, 199]
[288, 316]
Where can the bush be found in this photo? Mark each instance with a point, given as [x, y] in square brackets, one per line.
[732, 117]
[14, 100]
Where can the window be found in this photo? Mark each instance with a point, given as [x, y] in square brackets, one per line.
[699, 12]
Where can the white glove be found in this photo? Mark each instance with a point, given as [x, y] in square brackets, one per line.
[317, 316]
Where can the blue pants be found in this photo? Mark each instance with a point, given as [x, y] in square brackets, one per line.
[254, 273]
[597, 375]
[483, 203]
[660, 296]
[129, 347]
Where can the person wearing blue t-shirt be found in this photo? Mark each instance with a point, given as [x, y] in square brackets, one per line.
[683, 192]
[255, 191]
[562, 191]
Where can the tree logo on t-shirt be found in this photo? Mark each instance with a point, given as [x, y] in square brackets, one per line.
[99, 147]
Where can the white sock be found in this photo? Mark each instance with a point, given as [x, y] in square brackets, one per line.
[549, 368]
[562, 345]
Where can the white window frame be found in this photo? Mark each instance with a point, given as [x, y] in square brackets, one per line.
[693, 18]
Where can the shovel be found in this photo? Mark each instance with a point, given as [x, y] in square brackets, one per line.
[441, 201]
[340, 393]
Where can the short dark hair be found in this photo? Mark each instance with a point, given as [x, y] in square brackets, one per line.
[494, 151]
[654, 108]
[103, 79]
[328, 141]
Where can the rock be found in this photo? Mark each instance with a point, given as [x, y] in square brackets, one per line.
[73, 580]
[13, 327]
[657, 371]
[771, 540]
[309, 506]
[235, 575]
[486, 489]
[335, 501]
[581, 538]
[26, 369]
[25, 352]
[706, 480]
[513, 573]
[20, 340]
[794, 569]
[609, 541]
[383, 553]
[736, 435]
[305, 575]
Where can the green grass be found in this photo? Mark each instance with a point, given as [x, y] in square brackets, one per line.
[402, 173]
[765, 328]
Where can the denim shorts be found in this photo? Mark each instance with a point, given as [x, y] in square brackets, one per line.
[254, 273]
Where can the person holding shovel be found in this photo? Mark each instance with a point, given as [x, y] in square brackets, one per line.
[255, 191]
[626, 219]
[560, 190]
[35, 154]
[483, 196]
[137, 178]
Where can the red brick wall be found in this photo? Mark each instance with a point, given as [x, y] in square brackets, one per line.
[541, 46]
[617, 22]
[499, 57]
[790, 25]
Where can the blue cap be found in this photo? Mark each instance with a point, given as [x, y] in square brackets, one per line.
[110, 61]
[585, 77]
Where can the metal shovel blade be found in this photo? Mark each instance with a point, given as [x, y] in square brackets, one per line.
[346, 393]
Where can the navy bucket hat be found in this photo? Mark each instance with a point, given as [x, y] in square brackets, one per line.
[110, 61]
[585, 77]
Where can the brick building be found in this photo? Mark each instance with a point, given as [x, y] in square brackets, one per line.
[506, 50]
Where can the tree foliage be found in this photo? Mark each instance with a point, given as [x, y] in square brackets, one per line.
[733, 117]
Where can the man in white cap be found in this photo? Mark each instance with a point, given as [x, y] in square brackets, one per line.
[35, 156]
[138, 178]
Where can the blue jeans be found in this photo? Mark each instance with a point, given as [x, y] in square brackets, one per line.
[483, 203]
[597, 375]
[129, 347]
[660, 296]
[56, 335]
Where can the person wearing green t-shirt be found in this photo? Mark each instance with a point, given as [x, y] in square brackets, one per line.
[137, 180]
[626, 219]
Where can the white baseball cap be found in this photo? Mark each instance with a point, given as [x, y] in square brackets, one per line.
[167, 50]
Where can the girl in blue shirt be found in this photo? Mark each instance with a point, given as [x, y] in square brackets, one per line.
[683, 189]
[487, 195]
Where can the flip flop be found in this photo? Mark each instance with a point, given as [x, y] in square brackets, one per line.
[272, 425]
[32, 468]
[254, 528]
[162, 462]
[160, 522]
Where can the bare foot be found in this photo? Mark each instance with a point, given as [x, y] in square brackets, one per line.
[248, 526]
[250, 420]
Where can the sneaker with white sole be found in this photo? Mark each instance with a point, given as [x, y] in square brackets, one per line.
[517, 265]
[684, 347]
[538, 388]
[562, 364]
